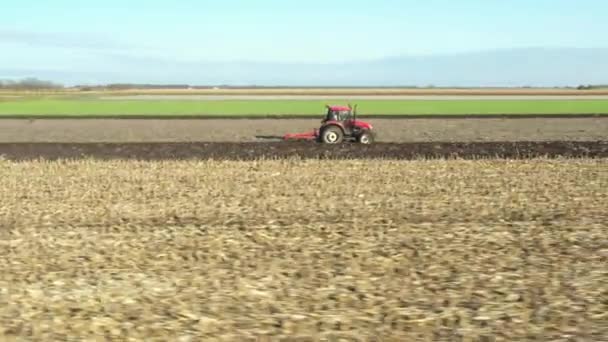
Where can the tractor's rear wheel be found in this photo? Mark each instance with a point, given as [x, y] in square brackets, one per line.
[332, 135]
[365, 137]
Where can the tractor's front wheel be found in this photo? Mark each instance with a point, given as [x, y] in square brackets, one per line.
[332, 135]
[365, 137]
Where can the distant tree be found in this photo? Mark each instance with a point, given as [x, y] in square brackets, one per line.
[127, 86]
[28, 84]
[6, 84]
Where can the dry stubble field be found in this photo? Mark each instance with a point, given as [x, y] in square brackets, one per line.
[363, 250]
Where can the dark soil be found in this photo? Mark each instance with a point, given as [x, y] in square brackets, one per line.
[308, 150]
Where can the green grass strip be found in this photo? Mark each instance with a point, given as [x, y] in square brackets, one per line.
[59, 107]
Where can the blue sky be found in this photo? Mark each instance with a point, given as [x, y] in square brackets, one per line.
[115, 35]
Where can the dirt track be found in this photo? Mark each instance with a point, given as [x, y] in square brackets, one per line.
[279, 150]
[263, 130]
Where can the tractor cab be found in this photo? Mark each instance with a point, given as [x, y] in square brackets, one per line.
[338, 113]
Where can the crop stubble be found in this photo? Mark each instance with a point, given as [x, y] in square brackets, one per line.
[391, 250]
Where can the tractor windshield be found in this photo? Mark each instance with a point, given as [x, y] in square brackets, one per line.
[331, 115]
[338, 115]
[345, 115]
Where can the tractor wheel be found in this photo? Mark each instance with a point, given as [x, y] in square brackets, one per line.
[332, 135]
[365, 137]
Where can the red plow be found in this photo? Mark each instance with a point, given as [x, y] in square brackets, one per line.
[312, 135]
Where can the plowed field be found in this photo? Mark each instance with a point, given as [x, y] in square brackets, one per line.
[167, 236]
[307, 150]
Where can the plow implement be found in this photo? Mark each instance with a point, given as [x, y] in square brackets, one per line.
[311, 135]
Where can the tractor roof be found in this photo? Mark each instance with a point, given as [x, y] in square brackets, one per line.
[338, 108]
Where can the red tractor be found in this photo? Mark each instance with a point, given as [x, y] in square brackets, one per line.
[340, 124]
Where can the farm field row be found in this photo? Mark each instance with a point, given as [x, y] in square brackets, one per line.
[79, 107]
[160, 151]
[265, 130]
[419, 250]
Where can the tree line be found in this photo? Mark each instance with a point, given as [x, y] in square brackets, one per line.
[30, 83]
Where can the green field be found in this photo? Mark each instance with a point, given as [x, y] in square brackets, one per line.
[96, 107]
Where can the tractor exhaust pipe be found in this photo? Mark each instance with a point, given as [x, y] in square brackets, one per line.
[354, 111]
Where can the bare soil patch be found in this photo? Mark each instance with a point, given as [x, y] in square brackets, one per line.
[258, 130]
